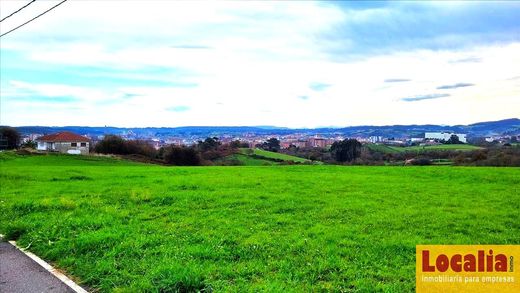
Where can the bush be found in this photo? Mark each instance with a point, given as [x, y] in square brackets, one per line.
[140, 147]
[238, 144]
[421, 162]
[113, 144]
[30, 144]
[181, 156]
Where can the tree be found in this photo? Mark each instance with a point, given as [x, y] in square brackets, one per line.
[210, 143]
[31, 144]
[346, 150]
[454, 139]
[238, 144]
[271, 144]
[10, 137]
[181, 156]
[111, 144]
[140, 147]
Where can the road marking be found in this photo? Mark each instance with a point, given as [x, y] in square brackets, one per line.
[50, 269]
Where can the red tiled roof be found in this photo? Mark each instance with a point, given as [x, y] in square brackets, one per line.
[63, 136]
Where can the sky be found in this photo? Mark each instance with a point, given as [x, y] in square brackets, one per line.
[281, 63]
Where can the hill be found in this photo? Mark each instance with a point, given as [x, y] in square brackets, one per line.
[507, 126]
[244, 160]
[259, 153]
[119, 226]
[397, 149]
[259, 157]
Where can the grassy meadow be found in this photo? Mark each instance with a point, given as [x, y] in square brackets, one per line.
[118, 226]
[259, 157]
[443, 147]
[246, 160]
[259, 153]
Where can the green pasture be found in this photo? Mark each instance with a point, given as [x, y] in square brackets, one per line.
[116, 226]
[272, 155]
[397, 149]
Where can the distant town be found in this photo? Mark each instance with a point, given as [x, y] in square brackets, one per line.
[300, 140]
[503, 131]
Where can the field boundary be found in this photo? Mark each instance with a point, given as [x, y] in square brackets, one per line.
[64, 279]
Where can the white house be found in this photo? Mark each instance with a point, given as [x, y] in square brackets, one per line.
[64, 142]
[445, 136]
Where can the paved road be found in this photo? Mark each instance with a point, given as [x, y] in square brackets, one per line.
[20, 274]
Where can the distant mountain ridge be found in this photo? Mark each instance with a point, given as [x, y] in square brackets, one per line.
[501, 127]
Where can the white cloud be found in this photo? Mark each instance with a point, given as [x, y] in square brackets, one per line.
[251, 62]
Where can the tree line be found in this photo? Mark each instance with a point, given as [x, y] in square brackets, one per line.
[201, 153]
[204, 152]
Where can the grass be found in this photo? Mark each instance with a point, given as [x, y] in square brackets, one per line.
[396, 149]
[51, 159]
[273, 155]
[246, 160]
[382, 148]
[258, 157]
[126, 227]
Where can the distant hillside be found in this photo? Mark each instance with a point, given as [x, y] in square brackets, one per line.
[398, 149]
[258, 157]
[272, 155]
[507, 126]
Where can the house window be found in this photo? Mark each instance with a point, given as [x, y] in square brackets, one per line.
[83, 144]
[73, 144]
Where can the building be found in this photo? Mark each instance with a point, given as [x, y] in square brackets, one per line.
[375, 139]
[444, 136]
[293, 142]
[317, 142]
[285, 144]
[64, 142]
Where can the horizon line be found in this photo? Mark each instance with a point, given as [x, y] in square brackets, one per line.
[261, 126]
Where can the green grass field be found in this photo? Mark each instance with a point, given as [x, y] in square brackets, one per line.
[396, 149]
[272, 155]
[247, 160]
[258, 157]
[127, 227]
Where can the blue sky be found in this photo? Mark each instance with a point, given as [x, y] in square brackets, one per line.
[287, 63]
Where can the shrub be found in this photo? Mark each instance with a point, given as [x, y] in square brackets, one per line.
[181, 156]
[30, 144]
[113, 144]
[421, 162]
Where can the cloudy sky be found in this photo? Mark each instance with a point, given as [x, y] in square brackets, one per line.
[287, 63]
